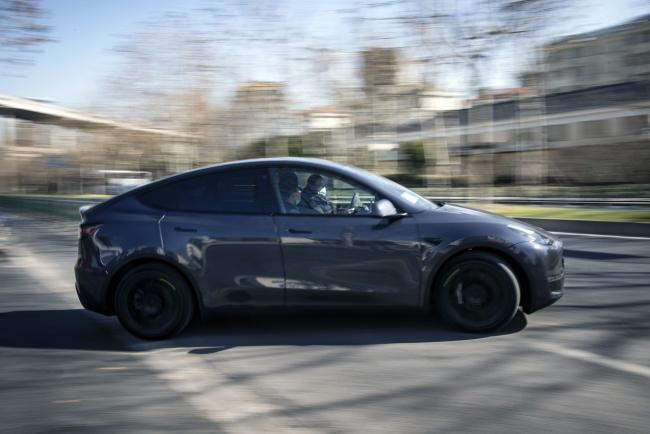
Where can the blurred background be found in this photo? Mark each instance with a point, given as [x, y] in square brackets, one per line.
[536, 109]
[540, 101]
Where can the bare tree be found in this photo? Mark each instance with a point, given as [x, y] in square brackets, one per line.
[159, 65]
[465, 37]
[164, 77]
[22, 31]
[475, 33]
[470, 34]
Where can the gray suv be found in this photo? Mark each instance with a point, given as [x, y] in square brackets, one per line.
[296, 232]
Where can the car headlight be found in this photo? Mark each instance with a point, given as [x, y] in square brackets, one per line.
[532, 235]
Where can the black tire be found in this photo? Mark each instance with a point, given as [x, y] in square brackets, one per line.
[477, 292]
[153, 301]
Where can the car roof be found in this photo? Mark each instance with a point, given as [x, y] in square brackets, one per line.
[262, 162]
[267, 161]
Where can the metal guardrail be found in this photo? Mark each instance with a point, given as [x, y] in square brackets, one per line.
[550, 201]
[58, 206]
[69, 207]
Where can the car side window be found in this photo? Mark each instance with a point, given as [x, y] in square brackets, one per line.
[301, 190]
[243, 191]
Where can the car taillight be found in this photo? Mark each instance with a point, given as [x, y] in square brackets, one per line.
[88, 230]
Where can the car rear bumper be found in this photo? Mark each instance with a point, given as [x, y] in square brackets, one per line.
[90, 286]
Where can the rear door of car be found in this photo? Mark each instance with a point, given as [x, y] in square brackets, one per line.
[219, 226]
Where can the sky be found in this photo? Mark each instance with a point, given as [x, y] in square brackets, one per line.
[72, 70]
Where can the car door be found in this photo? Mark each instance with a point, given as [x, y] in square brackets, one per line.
[347, 257]
[219, 226]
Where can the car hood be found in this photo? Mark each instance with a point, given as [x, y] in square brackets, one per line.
[474, 220]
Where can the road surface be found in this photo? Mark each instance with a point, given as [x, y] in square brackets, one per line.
[582, 365]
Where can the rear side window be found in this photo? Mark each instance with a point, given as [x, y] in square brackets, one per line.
[242, 191]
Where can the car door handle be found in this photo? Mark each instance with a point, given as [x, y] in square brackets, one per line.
[180, 229]
[298, 231]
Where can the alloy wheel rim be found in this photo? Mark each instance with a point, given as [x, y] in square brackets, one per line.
[151, 304]
[476, 295]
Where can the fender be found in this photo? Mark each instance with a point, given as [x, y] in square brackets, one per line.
[435, 257]
[130, 259]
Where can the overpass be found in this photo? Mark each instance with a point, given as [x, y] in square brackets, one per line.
[42, 112]
[37, 136]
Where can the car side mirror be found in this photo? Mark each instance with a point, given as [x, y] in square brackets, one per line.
[384, 208]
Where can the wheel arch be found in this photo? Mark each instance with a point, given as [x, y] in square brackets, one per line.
[124, 268]
[517, 267]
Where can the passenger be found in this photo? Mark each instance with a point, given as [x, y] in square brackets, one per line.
[312, 201]
[291, 202]
[289, 191]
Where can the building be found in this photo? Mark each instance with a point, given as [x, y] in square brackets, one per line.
[259, 110]
[379, 68]
[589, 134]
[326, 118]
[615, 54]
[597, 135]
[365, 126]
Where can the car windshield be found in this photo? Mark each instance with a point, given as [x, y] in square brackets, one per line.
[396, 189]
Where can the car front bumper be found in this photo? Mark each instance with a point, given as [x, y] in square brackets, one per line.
[544, 266]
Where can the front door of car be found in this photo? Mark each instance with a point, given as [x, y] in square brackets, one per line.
[219, 226]
[335, 251]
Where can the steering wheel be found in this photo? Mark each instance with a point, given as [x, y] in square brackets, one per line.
[356, 206]
[355, 202]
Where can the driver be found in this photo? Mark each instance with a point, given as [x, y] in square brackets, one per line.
[312, 201]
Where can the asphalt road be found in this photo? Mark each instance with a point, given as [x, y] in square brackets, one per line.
[582, 365]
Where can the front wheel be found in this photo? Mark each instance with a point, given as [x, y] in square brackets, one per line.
[477, 292]
[153, 301]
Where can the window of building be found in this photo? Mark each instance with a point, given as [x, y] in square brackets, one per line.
[632, 38]
[593, 129]
[573, 53]
[634, 125]
[527, 136]
[557, 133]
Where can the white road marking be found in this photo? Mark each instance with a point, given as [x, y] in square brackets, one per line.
[597, 359]
[622, 237]
[233, 407]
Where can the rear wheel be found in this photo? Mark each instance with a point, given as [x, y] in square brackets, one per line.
[477, 292]
[153, 301]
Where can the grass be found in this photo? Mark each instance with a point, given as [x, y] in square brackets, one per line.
[62, 196]
[604, 191]
[560, 213]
